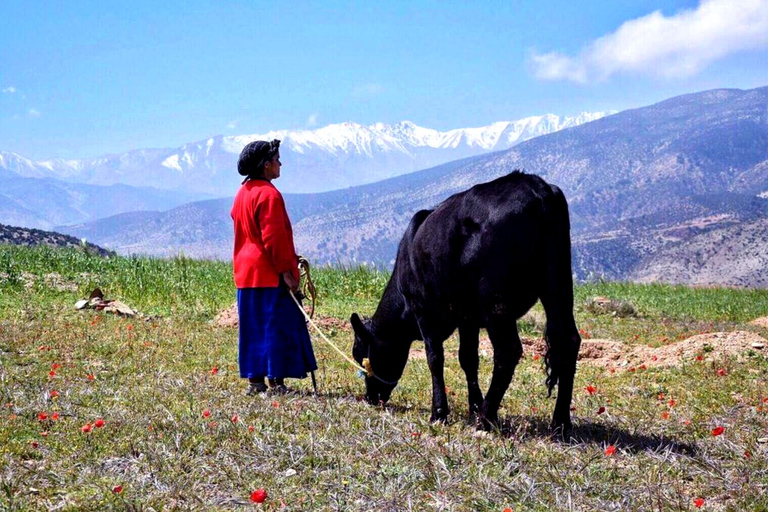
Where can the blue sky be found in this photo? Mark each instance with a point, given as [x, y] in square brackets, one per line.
[81, 79]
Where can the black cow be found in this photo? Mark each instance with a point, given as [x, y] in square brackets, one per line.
[481, 259]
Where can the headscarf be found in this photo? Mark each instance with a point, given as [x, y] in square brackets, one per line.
[253, 157]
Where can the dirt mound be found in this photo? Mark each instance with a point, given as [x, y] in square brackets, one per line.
[226, 317]
[618, 355]
[760, 322]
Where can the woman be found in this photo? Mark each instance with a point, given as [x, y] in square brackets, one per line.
[274, 341]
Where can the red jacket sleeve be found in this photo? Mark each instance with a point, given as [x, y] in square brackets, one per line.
[276, 233]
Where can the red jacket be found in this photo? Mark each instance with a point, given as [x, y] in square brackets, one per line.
[263, 236]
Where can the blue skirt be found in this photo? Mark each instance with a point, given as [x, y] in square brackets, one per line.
[274, 341]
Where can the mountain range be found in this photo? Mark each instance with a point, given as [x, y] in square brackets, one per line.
[674, 192]
[332, 157]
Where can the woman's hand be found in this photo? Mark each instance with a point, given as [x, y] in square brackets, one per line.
[290, 281]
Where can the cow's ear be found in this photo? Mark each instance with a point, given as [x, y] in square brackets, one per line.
[360, 329]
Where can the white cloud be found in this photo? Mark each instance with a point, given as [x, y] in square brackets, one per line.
[680, 45]
[33, 113]
[312, 120]
[232, 125]
[9, 90]
[367, 91]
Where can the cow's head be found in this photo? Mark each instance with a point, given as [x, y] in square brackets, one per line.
[377, 389]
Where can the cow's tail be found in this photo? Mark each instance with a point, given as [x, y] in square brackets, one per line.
[561, 334]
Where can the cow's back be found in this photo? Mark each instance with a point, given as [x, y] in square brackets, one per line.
[484, 249]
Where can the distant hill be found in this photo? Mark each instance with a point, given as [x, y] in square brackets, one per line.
[46, 202]
[641, 184]
[30, 237]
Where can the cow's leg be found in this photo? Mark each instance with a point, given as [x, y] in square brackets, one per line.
[563, 342]
[436, 360]
[507, 350]
[469, 341]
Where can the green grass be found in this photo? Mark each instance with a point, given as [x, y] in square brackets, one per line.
[153, 379]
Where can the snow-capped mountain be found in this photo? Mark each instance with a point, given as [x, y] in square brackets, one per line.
[332, 157]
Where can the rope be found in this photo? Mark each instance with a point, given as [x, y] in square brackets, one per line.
[342, 354]
[308, 289]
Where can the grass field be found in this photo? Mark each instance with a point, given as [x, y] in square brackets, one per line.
[103, 412]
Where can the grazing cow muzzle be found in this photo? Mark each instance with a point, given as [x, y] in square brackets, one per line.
[377, 392]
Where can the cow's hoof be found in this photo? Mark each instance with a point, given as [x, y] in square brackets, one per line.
[440, 415]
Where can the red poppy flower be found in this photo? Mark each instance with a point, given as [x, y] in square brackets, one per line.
[601, 410]
[661, 396]
[643, 367]
[117, 489]
[98, 423]
[591, 389]
[699, 358]
[250, 428]
[698, 502]
[34, 444]
[654, 358]
[86, 428]
[259, 496]
[42, 416]
[610, 450]
[415, 434]
[275, 403]
[55, 416]
[612, 370]
[748, 454]
[214, 370]
[54, 393]
[129, 327]
[235, 419]
[665, 415]
[672, 402]
[721, 372]
[90, 376]
[52, 373]
[206, 413]
[55, 366]
[507, 509]
[717, 431]
[536, 357]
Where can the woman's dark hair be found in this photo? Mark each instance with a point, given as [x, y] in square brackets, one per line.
[253, 157]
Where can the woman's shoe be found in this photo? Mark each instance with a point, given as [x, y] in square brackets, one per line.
[254, 388]
[278, 387]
